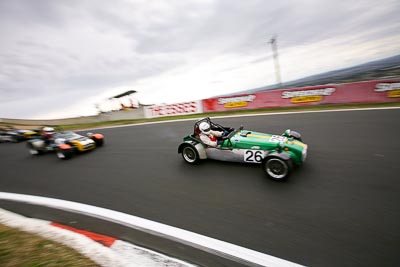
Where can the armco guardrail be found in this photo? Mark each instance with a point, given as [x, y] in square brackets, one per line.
[378, 91]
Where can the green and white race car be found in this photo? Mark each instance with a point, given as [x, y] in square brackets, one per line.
[277, 154]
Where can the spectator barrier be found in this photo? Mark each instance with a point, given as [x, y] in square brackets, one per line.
[377, 91]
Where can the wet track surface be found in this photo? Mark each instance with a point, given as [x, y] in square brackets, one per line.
[340, 209]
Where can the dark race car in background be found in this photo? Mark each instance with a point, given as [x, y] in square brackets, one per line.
[277, 154]
[66, 144]
[14, 135]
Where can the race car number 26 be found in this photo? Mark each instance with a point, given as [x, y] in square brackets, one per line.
[253, 156]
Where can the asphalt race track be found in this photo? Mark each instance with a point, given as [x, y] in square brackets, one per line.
[340, 209]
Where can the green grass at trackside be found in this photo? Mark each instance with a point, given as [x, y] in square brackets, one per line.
[18, 248]
[226, 113]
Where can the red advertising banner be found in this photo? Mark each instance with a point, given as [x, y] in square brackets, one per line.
[377, 91]
[173, 109]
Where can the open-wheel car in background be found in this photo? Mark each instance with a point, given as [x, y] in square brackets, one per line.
[65, 143]
[15, 135]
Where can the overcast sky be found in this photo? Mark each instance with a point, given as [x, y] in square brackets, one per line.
[58, 58]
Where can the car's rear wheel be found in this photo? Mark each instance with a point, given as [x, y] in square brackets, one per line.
[277, 169]
[190, 154]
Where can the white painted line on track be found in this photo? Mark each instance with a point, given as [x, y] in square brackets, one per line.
[208, 244]
[142, 257]
[248, 115]
[307, 111]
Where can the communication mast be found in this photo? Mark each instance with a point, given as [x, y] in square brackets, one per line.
[274, 45]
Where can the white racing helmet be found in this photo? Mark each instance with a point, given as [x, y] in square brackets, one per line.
[48, 130]
[204, 127]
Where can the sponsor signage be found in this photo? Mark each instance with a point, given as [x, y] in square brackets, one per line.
[236, 101]
[392, 89]
[185, 108]
[377, 91]
[311, 95]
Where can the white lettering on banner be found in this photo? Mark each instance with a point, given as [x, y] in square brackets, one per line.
[173, 109]
[247, 98]
[383, 87]
[312, 92]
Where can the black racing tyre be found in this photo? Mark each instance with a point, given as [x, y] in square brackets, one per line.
[99, 142]
[296, 136]
[64, 153]
[190, 154]
[277, 169]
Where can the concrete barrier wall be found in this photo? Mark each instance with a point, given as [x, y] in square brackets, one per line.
[110, 116]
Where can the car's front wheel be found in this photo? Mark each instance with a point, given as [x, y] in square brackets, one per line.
[64, 153]
[99, 142]
[190, 154]
[276, 168]
[33, 150]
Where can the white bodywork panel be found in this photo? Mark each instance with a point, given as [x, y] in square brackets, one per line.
[236, 155]
[201, 150]
[38, 144]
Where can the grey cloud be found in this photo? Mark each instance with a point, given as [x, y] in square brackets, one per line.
[32, 12]
[301, 23]
[37, 59]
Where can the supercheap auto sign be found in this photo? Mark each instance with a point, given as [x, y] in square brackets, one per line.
[311, 95]
[273, 98]
[236, 101]
[358, 92]
[392, 90]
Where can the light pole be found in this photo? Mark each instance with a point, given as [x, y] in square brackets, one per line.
[274, 45]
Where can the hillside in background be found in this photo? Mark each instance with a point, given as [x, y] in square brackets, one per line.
[381, 69]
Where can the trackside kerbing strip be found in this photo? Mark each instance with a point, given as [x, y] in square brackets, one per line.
[210, 245]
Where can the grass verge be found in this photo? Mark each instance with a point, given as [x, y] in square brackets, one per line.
[18, 248]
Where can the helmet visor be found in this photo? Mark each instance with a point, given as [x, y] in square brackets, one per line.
[206, 130]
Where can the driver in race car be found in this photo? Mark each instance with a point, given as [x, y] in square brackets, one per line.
[48, 133]
[208, 136]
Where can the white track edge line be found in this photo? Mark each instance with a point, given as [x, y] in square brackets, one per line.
[245, 115]
[208, 244]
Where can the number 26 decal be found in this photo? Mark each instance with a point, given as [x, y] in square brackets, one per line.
[253, 156]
